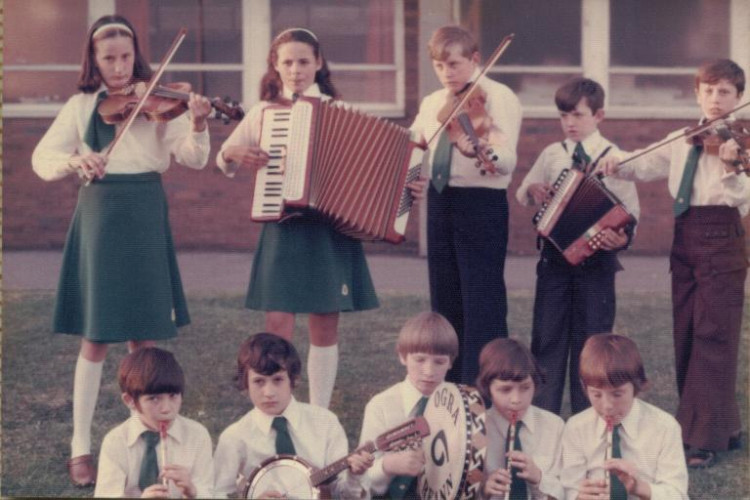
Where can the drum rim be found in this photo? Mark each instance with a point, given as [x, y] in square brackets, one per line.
[277, 458]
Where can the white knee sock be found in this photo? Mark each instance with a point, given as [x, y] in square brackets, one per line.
[322, 364]
[86, 384]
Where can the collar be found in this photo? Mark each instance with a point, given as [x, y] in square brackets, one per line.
[591, 144]
[311, 91]
[410, 396]
[629, 423]
[135, 428]
[292, 413]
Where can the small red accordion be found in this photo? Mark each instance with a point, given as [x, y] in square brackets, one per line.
[581, 208]
[350, 167]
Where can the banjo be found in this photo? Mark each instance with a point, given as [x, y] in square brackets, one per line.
[294, 477]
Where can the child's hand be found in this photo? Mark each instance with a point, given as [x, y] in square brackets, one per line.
[272, 494]
[729, 153]
[613, 240]
[497, 483]
[609, 165]
[593, 489]
[404, 463]
[360, 462]
[527, 469]
[157, 490]
[246, 156]
[199, 107]
[540, 192]
[180, 475]
[89, 166]
[418, 188]
[627, 473]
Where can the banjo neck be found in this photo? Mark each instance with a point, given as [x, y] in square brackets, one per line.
[331, 470]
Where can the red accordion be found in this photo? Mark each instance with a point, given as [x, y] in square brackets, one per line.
[581, 208]
[350, 167]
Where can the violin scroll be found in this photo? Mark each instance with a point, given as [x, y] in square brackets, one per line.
[711, 138]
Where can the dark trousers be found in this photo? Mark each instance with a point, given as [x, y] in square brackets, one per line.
[571, 304]
[709, 267]
[467, 235]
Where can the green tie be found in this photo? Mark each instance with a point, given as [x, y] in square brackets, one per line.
[441, 162]
[98, 134]
[284, 445]
[682, 200]
[400, 486]
[517, 484]
[149, 466]
[580, 158]
[617, 490]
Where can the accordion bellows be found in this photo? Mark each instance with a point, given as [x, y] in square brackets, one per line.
[350, 167]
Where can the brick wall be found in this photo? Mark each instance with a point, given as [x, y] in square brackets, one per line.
[210, 211]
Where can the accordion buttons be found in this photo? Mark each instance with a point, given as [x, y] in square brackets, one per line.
[344, 289]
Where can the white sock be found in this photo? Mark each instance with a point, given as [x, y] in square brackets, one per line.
[86, 382]
[322, 365]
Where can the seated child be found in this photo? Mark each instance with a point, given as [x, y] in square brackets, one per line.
[131, 461]
[426, 346]
[268, 367]
[648, 460]
[509, 376]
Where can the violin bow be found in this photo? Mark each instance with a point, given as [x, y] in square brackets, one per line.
[490, 62]
[687, 134]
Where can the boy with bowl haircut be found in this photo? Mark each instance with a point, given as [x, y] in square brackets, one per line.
[509, 376]
[646, 458]
[583, 295]
[427, 345]
[268, 367]
[131, 459]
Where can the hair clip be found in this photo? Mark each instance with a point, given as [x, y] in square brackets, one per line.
[111, 26]
[297, 29]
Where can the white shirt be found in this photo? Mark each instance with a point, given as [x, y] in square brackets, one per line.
[188, 444]
[540, 435]
[650, 438]
[317, 435]
[146, 147]
[712, 185]
[554, 158]
[385, 411]
[505, 110]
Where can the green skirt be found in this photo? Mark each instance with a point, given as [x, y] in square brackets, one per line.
[303, 265]
[119, 279]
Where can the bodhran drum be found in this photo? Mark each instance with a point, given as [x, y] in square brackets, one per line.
[456, 447]
[285, 474]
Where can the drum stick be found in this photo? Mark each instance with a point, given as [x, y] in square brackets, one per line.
[511, 448]
[608, 449]
[163, 438]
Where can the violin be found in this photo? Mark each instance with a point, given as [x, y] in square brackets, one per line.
[471, 120]
[164, 103]
[722, 131]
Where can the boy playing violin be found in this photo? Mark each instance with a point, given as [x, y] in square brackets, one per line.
[467, 225]
[584, 295]
[708, 263]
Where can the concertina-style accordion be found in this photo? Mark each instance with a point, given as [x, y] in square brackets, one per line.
[348, 166]
[580, 209]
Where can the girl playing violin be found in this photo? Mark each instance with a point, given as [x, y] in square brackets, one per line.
[119, 280]
[708, 263]
[301, 264]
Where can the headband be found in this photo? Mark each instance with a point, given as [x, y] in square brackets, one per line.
[297, 29]
[111, 26]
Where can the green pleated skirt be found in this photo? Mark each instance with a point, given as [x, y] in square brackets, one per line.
[119, 279]
[303, 265]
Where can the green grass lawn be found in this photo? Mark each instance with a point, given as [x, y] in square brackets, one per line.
[37, 378]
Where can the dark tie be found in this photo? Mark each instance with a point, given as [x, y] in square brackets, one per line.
[580, 158]
[400, 486]
[682, 200]
[517, 484]
[441, 162]
[617, 490]
[284, 443]
[98, 134]
[149, 466]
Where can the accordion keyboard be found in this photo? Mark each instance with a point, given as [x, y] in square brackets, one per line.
[268, 202]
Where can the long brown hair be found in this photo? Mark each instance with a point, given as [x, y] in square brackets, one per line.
[90, 79]
[271, 85]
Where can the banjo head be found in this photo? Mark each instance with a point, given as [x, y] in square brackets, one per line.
[285, 474]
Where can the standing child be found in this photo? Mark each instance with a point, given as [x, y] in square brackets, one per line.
[646, 459]
[426, 346]
[573, 302]
[708, 263]
[467, 218]
[119, 280]
[131, 462]
[509, 376]
[301, 264]
[268, 367]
